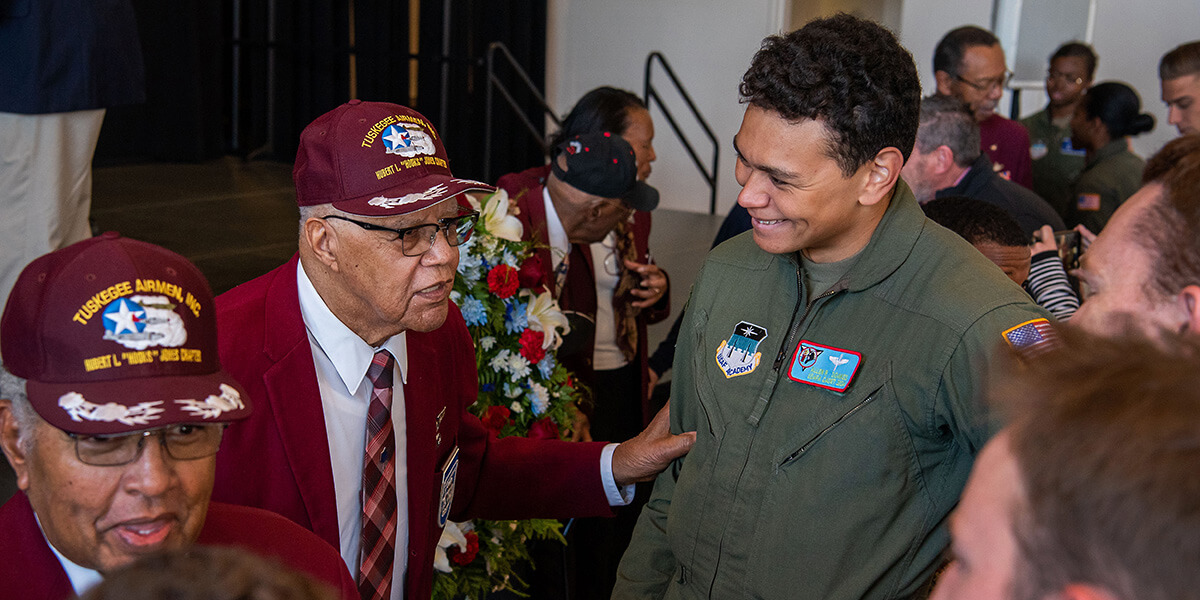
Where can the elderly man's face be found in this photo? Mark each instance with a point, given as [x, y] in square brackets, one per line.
[388, 291]
[103, 518]
[1115, 272]
[981, 529]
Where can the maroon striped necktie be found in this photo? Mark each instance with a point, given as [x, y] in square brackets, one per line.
[378, 543]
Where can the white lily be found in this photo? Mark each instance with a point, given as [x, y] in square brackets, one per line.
[451, 536]
[496, 219]
[544, 316]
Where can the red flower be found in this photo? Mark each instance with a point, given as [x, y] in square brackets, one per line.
[502, 281]
[464, 557]
[531, 345]
[531, 273]
[543, 429]
[496, 418]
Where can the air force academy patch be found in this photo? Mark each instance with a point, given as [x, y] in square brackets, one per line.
[739, 354]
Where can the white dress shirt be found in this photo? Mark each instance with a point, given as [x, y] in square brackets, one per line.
[342, 359]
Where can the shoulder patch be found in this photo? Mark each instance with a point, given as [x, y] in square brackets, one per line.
[1087, 201]
[1032, 335]
[739, 355]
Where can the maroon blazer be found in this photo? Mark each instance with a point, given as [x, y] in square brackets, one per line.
[29, 569]
[580, 293]
[278, 459]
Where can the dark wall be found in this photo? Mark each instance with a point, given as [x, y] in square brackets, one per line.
[294, 64]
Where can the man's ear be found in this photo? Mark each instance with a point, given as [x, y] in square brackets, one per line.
[943, 80]
[1190, 297]
[882, 173]
[10, 433]
[321, 241]
[945, 158]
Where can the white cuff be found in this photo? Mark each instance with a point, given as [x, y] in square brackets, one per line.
[616, 496]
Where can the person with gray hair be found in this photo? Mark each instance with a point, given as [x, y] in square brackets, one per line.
[112, 407]
[946, 161]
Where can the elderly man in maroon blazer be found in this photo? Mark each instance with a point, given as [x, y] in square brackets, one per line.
[362, 368]
[113, 407]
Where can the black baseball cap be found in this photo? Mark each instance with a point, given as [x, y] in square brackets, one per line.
[603, 164]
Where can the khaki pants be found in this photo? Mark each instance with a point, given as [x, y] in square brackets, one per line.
[45, 186]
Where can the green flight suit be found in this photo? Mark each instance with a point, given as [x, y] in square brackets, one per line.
[800, 492]
[1056, 162]
[1111, 175]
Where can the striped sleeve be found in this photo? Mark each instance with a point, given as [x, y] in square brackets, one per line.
[1049, 286]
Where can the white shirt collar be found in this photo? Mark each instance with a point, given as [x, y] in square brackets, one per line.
[350, 355]
[82, 578]
[559, 244]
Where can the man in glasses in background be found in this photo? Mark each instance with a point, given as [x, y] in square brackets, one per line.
[112, 407]
[363, 369]
[968, 64]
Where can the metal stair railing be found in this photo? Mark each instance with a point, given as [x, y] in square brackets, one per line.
[652, 96]
[494, 83]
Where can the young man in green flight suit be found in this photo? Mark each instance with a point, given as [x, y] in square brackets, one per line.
[827, 360]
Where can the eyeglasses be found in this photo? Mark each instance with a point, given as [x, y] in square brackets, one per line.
[182, 442]
[1063, 77]
[988, 85]
[418, 239]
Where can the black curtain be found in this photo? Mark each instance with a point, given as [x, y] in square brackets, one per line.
[294, 63]
[184, 116]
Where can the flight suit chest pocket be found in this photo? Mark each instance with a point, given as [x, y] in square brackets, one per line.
[815, 416]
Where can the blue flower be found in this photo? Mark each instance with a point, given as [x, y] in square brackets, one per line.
[487, 387]
[516, 319]
[468, 263]
[546, 366]
[473, 311]
[510, 259]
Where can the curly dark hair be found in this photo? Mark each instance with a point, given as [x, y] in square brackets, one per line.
[975, 220]
[849, 73]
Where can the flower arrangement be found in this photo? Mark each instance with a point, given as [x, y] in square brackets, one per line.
[523, 390]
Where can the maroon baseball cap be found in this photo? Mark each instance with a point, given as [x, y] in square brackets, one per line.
[375, 159]
[113, 336]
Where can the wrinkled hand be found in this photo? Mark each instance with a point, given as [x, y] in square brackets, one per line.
[581, 429]
[1045, 241]
[1086, 237]
[652, 377]
[647, 454]
[653, 286]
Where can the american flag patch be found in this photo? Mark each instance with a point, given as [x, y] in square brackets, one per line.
[1030, 335]
[1088, 201]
